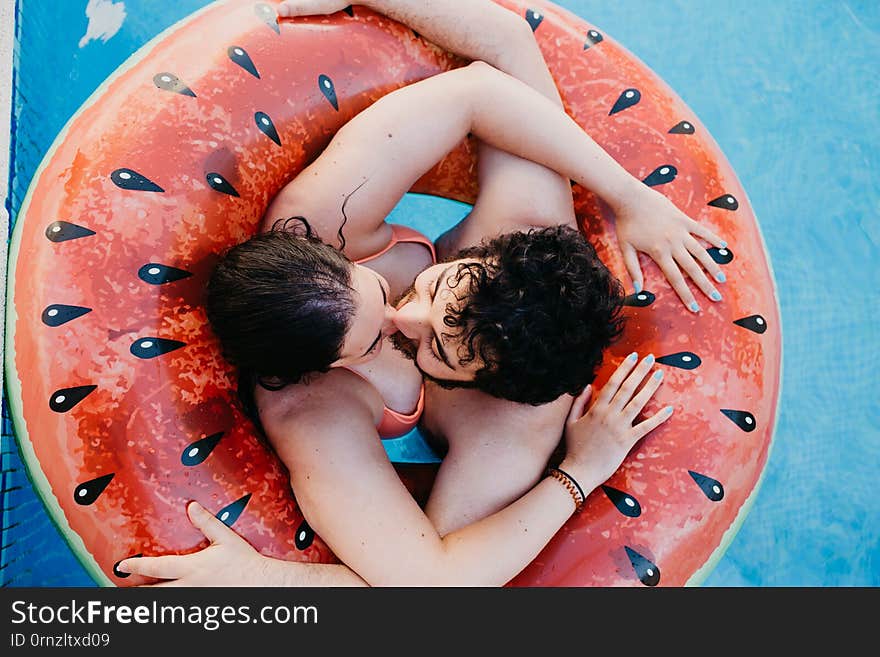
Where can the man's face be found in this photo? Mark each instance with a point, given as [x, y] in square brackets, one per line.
[414, 322]
[423, 335]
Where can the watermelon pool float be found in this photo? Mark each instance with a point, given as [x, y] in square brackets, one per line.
[124, 409]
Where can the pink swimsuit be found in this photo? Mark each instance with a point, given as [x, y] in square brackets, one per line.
[396, 424]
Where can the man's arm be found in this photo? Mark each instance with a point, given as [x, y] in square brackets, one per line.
[475, 99]
[516, 194]
[475, 30]
[472, 29]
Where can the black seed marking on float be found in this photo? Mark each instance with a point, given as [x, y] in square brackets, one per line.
[661, 175]
[57, 314]
[88, 491]
[267, 15]
[725, 202]
[685, 360]
[682, 128]
[626, 100]
[647, 572]
[61, 231]
[64, 399]
[743, 419]
[325, 84]
[534, 18]
[172, 83]
[593, 37]
[349, 10]
[639, 299]
[151, 347]
[229, 514]
[625, 503]
[116, 570]
[711, 487]
[238, 55]
[133, 181]
[304, 536]
[197, 452]
[219, 184]
[157, 274]
[264, 123]
[754, 323]
[721, 256]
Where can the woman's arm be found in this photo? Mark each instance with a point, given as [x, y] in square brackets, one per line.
[231, 561]
[352, 498]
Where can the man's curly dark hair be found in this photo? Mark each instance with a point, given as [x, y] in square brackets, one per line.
[540, 309]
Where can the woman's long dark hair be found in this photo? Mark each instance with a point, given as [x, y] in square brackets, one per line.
[281, 304]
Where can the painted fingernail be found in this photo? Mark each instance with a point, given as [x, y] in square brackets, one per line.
[668, 410]
[723, 244]
[649, 359]
[695, 307]
[720, 277]
[716, 296]
[637, 286]
[633, 356]
[658, 374]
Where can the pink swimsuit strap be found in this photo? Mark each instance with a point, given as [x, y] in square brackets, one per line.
[405, 234]
[394, 423]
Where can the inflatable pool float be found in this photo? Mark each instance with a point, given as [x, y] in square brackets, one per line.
[123, 407]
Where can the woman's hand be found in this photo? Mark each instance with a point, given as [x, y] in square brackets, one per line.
[291, 8]
[599, 440]
[652, 224]
[228, 561]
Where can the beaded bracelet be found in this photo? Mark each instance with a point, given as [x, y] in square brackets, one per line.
[571, 485]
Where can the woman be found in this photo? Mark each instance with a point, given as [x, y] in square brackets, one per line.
[379, 155]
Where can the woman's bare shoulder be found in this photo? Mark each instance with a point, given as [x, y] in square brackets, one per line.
[321, 399]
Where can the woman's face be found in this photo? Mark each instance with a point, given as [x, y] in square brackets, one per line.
[416, 318]
[373, 318]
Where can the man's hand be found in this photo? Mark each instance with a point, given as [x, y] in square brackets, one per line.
[228, 561]
[292, 8]
[653, 225]
[599, 440]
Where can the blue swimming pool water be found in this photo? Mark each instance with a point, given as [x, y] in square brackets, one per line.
[790, 92]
